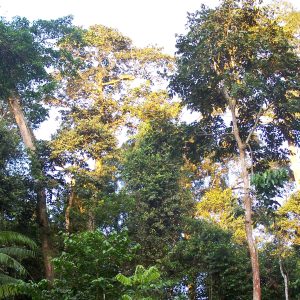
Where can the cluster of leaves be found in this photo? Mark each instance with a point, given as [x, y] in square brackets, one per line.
[218, 265]
[268, 186]
[149, 184]
[143, 283]
[152, 175]
[87, 267]
[14, 248]
[255, 62]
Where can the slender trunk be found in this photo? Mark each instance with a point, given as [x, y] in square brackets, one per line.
[42, 216]
[285, 278]
[91, 220]
[295, 163]
[68, 211]
[192, 291]
[247, 203]
[70, 205]
[25, 131]
[44, 229]
[248, 225]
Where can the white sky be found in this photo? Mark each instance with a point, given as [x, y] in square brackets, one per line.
[151, 22]
[146, 22]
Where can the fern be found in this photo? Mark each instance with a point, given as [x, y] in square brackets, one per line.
[14, 247]
[10, 237]
[8, 290]
[8, 261]
[17, 252]
[144, 282]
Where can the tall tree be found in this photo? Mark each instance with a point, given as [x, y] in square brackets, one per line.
[155, 177]
[94, 111]
[289, 18]
[236, 60]
[27, 50]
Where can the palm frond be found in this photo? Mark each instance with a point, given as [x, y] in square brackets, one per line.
[8, 261]
[13, 245]
[10, 237]
[6, 279]
[18, 252]
[7, 290]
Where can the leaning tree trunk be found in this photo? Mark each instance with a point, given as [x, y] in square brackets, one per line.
[192, 288]
[285, 278]
[70, 205]
[247, 200]
[42, 216]
[295, 163]
[248, 225]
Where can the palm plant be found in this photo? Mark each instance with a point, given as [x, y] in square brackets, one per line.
[13, 248]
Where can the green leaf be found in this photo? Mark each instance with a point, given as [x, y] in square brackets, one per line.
[8, 290]
[126, 297]
[10, 237]
[8, 261]
[124, 280]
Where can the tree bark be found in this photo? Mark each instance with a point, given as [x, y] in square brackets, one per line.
[295, 163]
[192, 291]
[247, 200]
[285, 278]
[25, 131]
[91, 220]
[42, 216]
[248, 225]
[68, 211]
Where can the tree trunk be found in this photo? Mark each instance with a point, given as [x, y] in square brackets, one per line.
[192, 291]
[285, 278]
[91, 220]
[70, 204]
[247, 203]
[248, 225]
[295, 163]
[25, 131]
[42, 216]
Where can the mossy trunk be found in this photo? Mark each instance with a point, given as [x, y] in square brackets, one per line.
[42, 215]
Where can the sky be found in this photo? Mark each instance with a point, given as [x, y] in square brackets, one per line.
[148, 22]
[152, 22]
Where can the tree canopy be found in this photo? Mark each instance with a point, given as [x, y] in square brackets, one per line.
[128, 201]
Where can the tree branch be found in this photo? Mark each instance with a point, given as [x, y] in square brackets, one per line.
[251, 156]
[255, 125]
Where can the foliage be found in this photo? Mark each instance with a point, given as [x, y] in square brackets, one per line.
[169, 182]
[153, 175]
[27, 53]
[141, 285]
[268, 186]
[95, 110]
[273, 285]
[217, 265]
[87, 267]
[221, 207]
[287, 220]
[237, 61]
[257, 66]
[15, 205]
[14, 248]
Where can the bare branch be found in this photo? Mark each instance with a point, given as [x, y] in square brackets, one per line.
[261, 110]
[251, 156]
